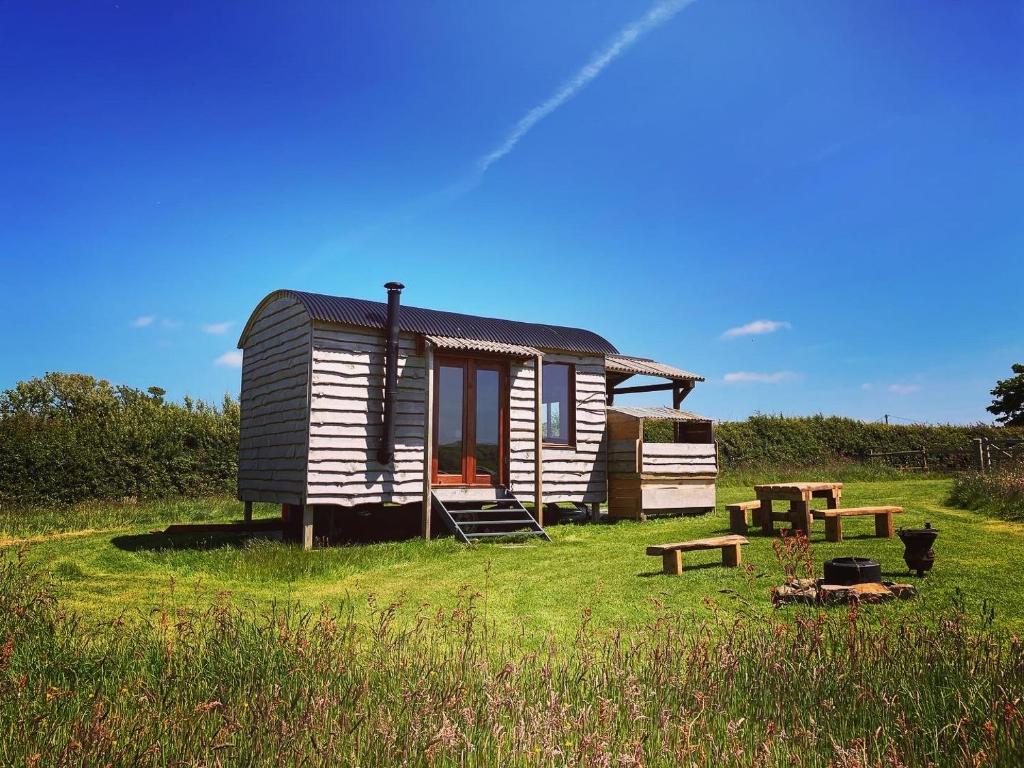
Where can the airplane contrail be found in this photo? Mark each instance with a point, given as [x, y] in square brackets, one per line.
[658, 14]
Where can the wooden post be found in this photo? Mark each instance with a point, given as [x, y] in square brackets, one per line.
[538, 441]
[307, 526]
[883, 525]
[981, 453]
[731, 556]
[672, 562]
[924, 459]
[428, 440]
[800, 512]
[247, 511]
[767, 524]
[833, 528]
[595, 512]
[737, 520]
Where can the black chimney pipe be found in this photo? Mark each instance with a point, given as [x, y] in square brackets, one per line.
[387, 442]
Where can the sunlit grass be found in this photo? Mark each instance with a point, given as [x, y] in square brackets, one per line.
[539, 587]
[276, 685]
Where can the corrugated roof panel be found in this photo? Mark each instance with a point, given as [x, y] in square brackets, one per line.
[662, 413]
[476, 345]
[373, 314]
[642, 366]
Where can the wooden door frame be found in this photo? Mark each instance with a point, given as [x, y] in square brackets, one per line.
[469, 365]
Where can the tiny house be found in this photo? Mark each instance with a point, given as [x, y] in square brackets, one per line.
[479, 423]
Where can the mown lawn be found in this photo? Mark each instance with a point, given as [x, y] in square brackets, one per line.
[107, 565]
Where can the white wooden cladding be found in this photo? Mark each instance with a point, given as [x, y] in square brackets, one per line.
[630, 457]
[346, 418]
[571, 473]
[312, 410]
[274, 405]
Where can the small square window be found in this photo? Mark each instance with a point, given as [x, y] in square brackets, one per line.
[558, 404]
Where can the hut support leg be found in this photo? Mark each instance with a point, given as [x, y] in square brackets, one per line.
[247, 511]
[595, 512]
[307, 527]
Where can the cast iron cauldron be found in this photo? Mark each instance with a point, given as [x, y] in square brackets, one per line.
[919, 555]
[847, 571]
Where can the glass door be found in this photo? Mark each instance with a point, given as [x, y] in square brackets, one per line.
[469, 422]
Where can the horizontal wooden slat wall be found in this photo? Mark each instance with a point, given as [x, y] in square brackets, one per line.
[346, 417]
[574, 473]
[274, 408]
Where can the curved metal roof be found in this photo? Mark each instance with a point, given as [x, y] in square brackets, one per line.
[373, 314]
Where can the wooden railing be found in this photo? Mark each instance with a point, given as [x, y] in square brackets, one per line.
[636, 457]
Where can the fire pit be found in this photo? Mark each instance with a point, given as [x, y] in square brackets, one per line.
[919, 555]
[847, 571]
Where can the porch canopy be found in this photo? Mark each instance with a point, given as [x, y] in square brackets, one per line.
[619, 368]
[452, 344]
[657, 413]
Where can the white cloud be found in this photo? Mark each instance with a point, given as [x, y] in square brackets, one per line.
[756, 328]
[143, 321]
[217, 328]
[750, 377]
[230, 359]
[867, 387]
[904, 389]
[172, 324]
[659, 13]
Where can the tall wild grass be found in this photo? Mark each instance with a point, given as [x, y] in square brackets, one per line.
[225, 686]
[999, 493]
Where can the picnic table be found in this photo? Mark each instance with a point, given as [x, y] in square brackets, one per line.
[799, 496]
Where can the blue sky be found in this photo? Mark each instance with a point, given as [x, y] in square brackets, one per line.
[851, 174]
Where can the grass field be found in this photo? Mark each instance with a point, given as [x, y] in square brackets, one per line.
[119, 646]
[107, 564]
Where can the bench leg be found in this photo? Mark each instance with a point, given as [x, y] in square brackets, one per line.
[834, 528]
[756, 518]
[737, 521]
[672, 562]
[883, 525]
[767, 526]
[832, 500]
[800, 512]
[731, 556]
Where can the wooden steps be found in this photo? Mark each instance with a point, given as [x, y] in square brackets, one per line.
[506, 519]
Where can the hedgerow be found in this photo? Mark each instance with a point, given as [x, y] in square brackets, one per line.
[780, 441]
[68, 437]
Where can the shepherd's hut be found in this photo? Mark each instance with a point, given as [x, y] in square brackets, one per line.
[378, 408]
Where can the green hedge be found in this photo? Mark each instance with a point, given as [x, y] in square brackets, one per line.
[763, 441]
[67, 438]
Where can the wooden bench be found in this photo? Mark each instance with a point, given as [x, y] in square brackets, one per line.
[672, 554]
[834, 520]
[738, 515]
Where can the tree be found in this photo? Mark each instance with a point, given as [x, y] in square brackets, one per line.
[1008, 399]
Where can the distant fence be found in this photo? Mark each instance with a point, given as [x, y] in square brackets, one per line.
[986, 454]
[996, 453]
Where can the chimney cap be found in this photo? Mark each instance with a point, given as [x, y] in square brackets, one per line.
[394, 286]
